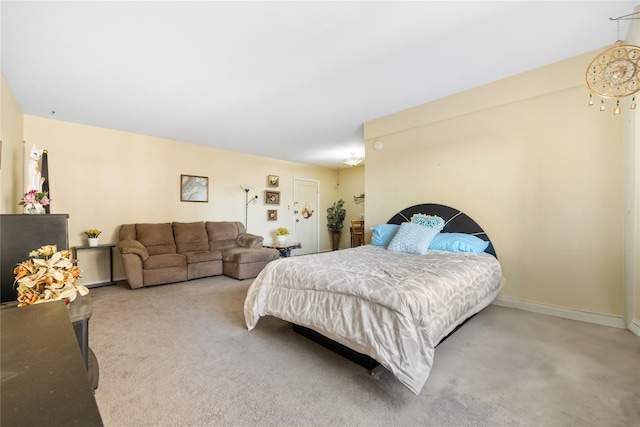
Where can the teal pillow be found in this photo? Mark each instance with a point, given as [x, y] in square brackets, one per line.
[413, 238]
[458, 242]
[432, 221]
[383, 233]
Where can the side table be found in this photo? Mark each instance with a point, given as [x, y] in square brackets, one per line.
[284, 248]
[108, 247]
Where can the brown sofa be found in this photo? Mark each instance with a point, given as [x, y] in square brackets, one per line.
[155, 254]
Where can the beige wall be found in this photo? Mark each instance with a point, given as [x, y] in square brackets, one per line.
[632, 202]
[11, 165]
[632, 229]
[103, 178]
[531, 163]
[350, 183]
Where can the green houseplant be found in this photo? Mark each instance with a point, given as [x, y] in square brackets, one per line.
[335, 218]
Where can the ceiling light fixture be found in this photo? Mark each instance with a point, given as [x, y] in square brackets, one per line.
[353, 160]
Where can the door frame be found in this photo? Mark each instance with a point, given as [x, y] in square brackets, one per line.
[295, 197]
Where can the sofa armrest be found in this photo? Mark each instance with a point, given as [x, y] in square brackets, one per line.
[133, 247]
[248, 240]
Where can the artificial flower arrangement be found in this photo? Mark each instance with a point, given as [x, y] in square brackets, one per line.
[306, 212]
[282, 231]
[92, 233]
[35, 197]
[48, 275]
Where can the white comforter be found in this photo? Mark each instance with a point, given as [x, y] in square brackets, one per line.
[394, 307]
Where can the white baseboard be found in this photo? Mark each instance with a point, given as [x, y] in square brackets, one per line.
[635, 328]
[566, 313]
[98, 283]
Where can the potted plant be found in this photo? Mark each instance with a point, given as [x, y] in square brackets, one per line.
[92, 235]
[34, 201]
[281, 234]
[335, 218]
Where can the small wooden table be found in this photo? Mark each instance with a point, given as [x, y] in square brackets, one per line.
[284, 248]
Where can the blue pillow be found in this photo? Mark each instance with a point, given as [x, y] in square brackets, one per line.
[458, 242]
[383, 233]
[413, 238]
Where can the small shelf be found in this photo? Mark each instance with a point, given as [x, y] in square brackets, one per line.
[108, 247]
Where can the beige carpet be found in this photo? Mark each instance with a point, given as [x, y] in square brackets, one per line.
[180, 355]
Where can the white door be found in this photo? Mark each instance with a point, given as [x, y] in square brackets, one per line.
[305, 210]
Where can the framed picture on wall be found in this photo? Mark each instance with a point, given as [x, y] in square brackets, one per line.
[272, 197]
[273, 181]
[194, 188]
[272, 215]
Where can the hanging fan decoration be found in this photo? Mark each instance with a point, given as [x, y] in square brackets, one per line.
[615, 72]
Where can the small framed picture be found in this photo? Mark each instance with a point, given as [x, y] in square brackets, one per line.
[272, 215]
[194, 188]
[272, 197]
[273, 181]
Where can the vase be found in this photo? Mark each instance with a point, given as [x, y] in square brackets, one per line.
[335, 240]
[35, 209]
[93, 241]
[281, 239]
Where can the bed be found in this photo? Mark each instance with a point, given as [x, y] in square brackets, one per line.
[389, 305]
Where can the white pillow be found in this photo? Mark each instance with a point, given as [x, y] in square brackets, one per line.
[413, 238]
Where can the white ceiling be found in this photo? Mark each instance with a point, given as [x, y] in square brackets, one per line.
[289, 80]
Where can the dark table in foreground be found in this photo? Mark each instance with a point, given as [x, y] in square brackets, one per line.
[284, 248]
[44, 380]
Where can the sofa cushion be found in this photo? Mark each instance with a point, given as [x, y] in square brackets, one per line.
[157, 238]
[223, 234]
[165, 261]
[127, 232]
[190, 236]
[245, 255]
[202, 256]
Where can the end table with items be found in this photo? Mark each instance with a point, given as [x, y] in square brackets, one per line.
[284, 248]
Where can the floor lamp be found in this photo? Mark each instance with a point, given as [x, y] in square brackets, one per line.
[246, 189]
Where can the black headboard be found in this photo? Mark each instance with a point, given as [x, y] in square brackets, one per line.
[455, 221]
